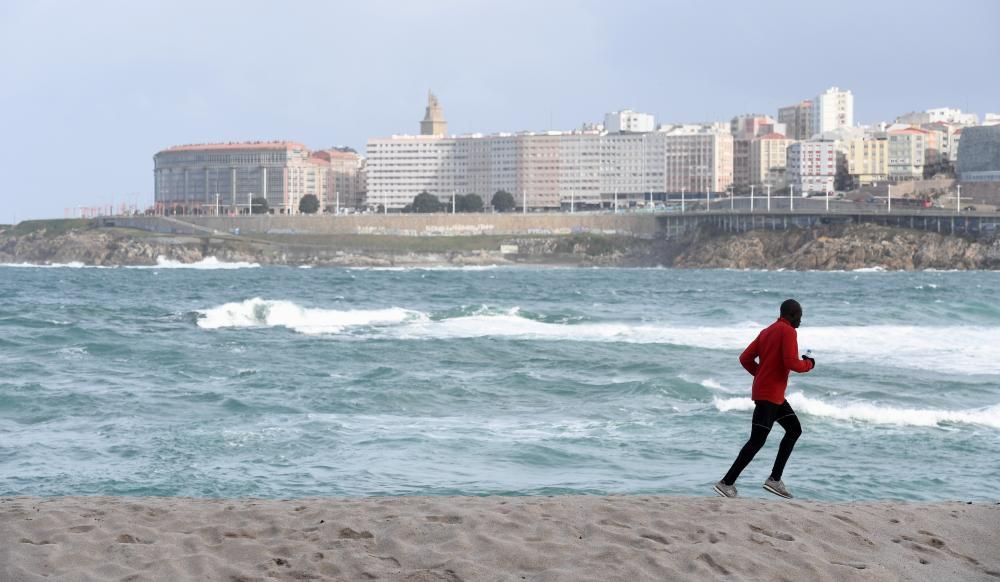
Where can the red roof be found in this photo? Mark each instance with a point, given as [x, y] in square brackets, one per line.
[773, 135]
[246, 145]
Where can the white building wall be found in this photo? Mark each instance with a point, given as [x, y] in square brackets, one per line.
[629, 121]
[812, 166]
[833, 109]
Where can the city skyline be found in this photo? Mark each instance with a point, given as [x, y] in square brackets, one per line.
[132, 80]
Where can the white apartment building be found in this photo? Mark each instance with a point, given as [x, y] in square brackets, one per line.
[812, 166]
[991, 119]
[833, 109]
[555, 169]
[628, 121]
[939, 115]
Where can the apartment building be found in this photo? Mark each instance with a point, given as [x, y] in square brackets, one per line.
[907, 153]
[345, 180]
[798, 120]
[812, 166]
[224, 177]
[555, 169]
[866, 159]
[833, 109]
[768, 161]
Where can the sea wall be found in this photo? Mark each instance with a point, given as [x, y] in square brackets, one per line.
[440, 224]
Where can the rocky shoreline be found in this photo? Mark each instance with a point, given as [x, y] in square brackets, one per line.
[821, 248]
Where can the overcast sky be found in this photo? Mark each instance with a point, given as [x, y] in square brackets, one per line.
[89, 91]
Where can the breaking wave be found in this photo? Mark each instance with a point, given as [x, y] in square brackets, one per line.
[875, 413]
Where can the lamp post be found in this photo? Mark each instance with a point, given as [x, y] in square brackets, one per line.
[888, 197]
[769, 197]
[958, 200]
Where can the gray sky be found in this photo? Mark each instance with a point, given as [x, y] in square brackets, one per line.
[89, 91]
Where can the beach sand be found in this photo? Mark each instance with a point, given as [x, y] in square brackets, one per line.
[424, 539]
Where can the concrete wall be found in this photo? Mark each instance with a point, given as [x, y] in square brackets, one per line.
[638, 225]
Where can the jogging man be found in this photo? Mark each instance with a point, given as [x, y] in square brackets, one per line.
[777, 349]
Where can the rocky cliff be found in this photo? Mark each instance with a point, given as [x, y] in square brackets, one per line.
[823, 248]
[837, 248]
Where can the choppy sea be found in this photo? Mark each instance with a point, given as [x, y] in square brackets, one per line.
[222, 380]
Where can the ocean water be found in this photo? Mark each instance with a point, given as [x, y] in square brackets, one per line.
[218, 380]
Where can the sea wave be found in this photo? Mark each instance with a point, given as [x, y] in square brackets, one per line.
[71, 265]
[967, 350]
[875, 413]
[206, 264]
[259, 312]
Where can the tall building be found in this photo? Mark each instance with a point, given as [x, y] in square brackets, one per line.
[433, 122]
[798, 120]
[833, 109]
[812, 166]
[979, 154]
[225, 177]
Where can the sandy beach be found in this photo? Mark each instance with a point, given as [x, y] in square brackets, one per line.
[423, 539]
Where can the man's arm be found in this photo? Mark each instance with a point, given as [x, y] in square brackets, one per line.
[790, 353]
[748, 359]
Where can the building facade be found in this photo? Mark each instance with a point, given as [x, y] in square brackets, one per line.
[832, 110]
[798, 120]
[224, 178]
[907, 153]
[345, 184]
[629, 121]
[866, 159]
[555, 169]
[939, 115]
[769, 160]
[812, 166]
[979, 154]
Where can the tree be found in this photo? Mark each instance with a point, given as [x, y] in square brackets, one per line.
[258, 205]
[426, 202]
[469, 203]
[309, 204]
[503, 201]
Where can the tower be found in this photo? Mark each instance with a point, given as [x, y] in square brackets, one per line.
[433, 123]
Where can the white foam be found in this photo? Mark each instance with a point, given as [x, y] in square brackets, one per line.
[429, 268]
[875, 413]
[71, 265]
[947, 349]
[206, 264]
[876, 269]
[258, 312]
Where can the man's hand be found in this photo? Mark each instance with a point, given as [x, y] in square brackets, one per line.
[811, 360]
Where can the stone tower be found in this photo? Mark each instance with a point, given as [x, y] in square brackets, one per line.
[433, 123]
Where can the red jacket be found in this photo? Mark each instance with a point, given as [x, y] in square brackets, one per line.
[777, 347]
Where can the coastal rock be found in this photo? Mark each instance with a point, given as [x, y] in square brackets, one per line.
[821, 248]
